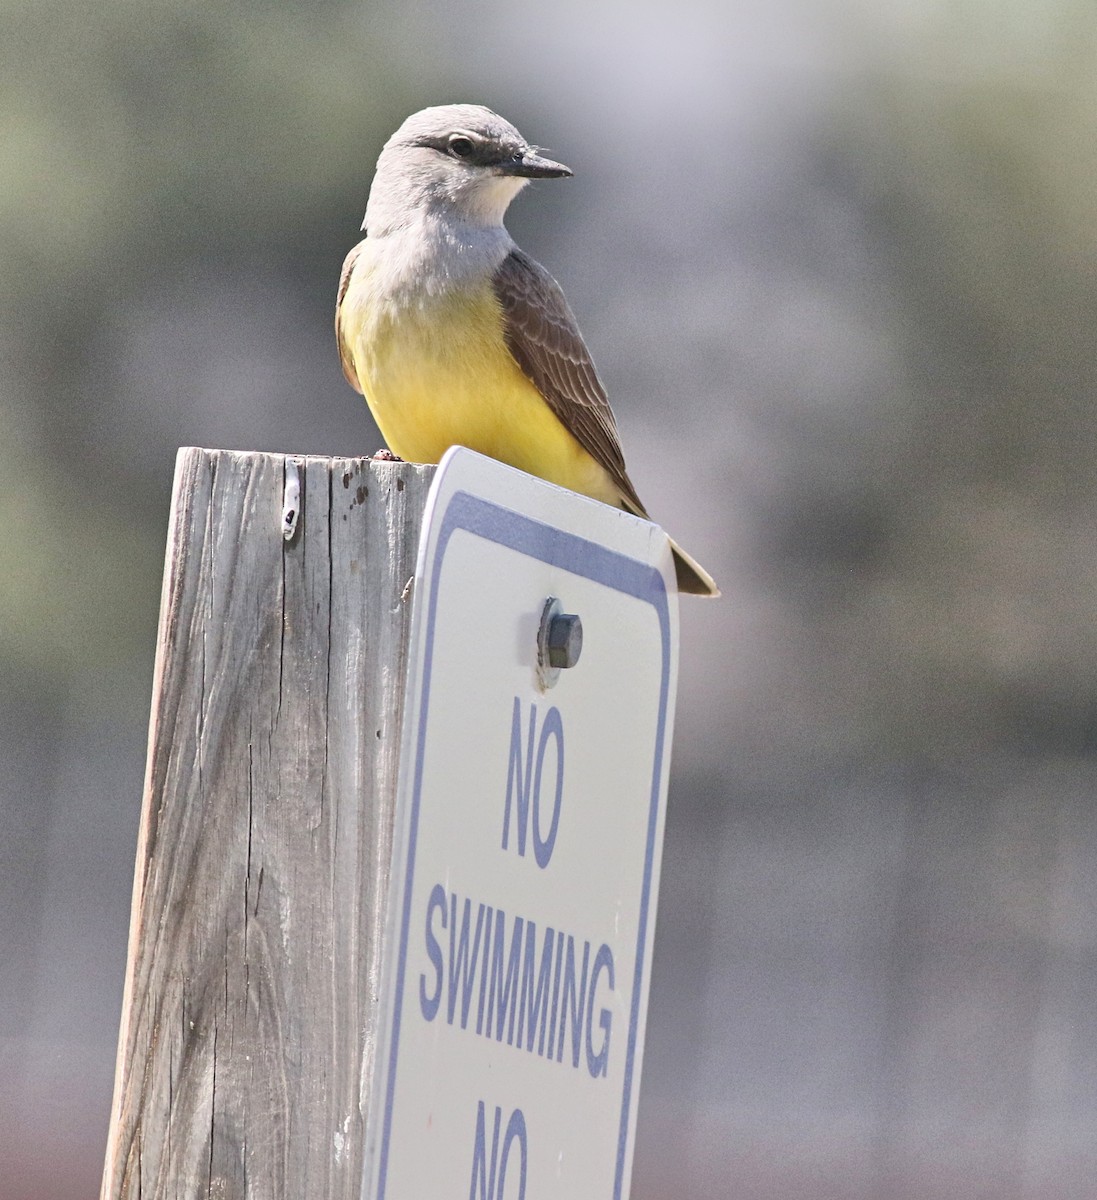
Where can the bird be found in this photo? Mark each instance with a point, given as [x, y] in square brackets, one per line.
[455, 336]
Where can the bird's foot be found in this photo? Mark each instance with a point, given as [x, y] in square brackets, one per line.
[384, 455]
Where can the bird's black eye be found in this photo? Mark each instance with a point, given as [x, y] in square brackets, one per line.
[460, 146]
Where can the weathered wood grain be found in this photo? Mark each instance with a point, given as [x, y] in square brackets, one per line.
[248, 1019]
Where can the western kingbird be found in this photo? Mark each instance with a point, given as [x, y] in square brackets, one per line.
[455, 337]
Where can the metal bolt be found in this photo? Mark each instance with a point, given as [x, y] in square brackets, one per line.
[565, 640]
[559, 642]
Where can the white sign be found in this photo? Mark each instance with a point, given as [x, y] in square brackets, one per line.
[528, 845]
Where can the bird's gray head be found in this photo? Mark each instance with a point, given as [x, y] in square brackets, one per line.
[456, 161]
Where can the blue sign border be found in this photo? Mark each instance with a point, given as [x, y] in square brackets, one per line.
[556, 548]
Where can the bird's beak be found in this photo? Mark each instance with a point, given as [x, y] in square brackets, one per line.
[531, 165]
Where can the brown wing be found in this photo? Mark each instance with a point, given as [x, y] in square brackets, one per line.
[546, 343]
[344, 282]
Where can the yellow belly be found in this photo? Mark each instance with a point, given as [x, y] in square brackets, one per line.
[441, 375]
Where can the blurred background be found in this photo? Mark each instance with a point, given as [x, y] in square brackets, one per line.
[836, 262]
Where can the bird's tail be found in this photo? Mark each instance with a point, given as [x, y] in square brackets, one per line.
[692, 577]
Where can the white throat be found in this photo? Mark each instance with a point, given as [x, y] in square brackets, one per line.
[485, 203]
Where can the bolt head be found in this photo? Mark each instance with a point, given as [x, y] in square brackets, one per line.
[565, 640]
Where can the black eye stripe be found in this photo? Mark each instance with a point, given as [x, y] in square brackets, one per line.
[482, 153]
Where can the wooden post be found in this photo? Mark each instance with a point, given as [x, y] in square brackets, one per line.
[258, 906]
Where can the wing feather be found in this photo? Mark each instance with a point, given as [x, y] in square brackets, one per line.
[545, 341]
[345, 356]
